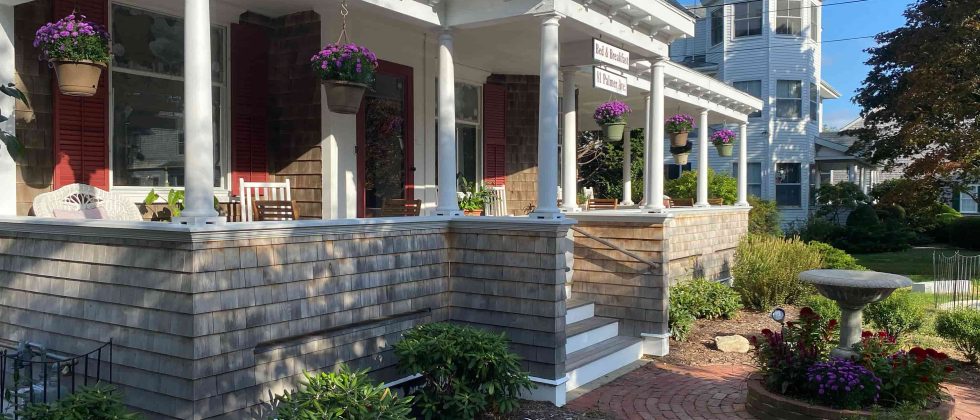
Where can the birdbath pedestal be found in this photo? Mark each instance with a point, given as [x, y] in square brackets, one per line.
[853, 290]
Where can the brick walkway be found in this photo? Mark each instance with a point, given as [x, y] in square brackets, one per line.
[660, 391]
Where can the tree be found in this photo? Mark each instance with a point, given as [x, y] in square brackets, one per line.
[921, 98]
[835, 200]
[601, 165]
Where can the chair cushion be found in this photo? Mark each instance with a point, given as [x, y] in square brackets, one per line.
[96, 213]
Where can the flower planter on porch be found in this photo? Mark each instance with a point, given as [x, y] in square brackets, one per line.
[678, 139]
[344, 97]
[78, 78]
[472, 212]
[614, 131]
[725, 150]
[767, 405]
[681, 158]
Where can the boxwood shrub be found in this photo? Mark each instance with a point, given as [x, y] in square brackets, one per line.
[962, 327]
[896, 315]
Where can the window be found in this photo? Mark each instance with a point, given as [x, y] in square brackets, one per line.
[788, 17]
[748, 18]
[789, 99]
[815, 22]
[717, 25]
[814, 103]
[788, 184]
[147, 98]
[752, 87]
[469, 146]
[754, 181]
[967, 203]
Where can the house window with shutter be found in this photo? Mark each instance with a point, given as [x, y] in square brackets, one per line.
[147, 99]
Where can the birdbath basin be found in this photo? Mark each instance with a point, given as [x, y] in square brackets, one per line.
[853, 290]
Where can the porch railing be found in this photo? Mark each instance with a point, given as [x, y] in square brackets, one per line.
[30, 374]
[606, 242]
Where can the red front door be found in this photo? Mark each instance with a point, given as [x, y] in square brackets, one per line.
[385, 159]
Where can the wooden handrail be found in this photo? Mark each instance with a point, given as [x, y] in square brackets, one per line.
[614, 246]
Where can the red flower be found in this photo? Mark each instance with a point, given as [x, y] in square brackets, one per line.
[942, 356]
[919, 354]
[806, 312]
[882, 334]
[766, 332]
[790, 324]
[866, 334]
[832, 324]
[753, 340]
[932, 353]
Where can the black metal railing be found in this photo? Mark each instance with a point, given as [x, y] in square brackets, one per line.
[956, 280]
[30, 374]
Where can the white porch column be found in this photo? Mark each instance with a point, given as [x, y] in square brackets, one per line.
[547, 207]
[646, 149]
[569, 163]
[654, 189]
[703, 160]
[447, 204]
[8, 168]
[743, 163]
[198, 122]
[627, 169]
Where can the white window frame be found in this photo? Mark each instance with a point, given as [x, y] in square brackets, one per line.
[138, 193]
[716, 32]
[736, 19]
[791, 13]
[735, 84]
[814, 22]
[748, 171]
[967, 204]
[798, 100]
[777, 184]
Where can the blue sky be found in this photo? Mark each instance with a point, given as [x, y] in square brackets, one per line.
[843, 62]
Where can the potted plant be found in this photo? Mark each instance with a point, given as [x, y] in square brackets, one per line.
[78, 50]
[14, 148]
[346, 71]
[611, 116]
[681, 153]
[724, 141]
[678, 126]
[472, 198]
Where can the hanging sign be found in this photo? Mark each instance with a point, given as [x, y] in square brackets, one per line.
[607, 80]
[605, 53]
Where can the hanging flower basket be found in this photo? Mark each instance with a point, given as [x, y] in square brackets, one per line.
[346, 72]
[78, 50]
[724, 141]
[679, 126]
[611, 116]
[681, 153]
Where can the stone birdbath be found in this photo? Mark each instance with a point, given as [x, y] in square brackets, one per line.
[853, 290]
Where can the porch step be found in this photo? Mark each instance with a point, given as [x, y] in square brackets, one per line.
[589, 331]
[592, 362]
[577, 309]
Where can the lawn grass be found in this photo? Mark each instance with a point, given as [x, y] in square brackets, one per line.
[916, 263]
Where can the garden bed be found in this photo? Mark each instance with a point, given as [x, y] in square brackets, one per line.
[699, 349]
[767, 405]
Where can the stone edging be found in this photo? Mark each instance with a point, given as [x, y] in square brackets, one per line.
[766, 405]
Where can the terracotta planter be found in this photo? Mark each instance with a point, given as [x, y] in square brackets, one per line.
[725, 150]
[472, 212]
[614, 132]
[681, 158]
[678, 139]
[78, 78]
[767, 405]
[344, 97]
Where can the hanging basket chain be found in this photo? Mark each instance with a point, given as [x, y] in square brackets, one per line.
[343, 23]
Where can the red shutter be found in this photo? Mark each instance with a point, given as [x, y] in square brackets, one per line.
[494, 133]
[249, 103]
[81, 124]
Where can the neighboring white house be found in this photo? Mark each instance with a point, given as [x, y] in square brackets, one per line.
[771, 50]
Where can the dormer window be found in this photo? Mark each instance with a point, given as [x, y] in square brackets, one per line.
[748, 18]
[717, 25]
[788, 17]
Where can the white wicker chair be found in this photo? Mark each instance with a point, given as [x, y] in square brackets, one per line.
[77, 197]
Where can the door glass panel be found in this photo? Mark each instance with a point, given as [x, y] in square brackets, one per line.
[384, 143]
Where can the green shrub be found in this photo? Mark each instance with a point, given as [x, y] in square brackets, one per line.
[466, 371]
[826, 308]
[344, 395]
[767, 269]
[962, 327]
[921, 199]
[834, 258]
[817, 229]
[944, 221]
[896, 315]
[720, 185]
[706, 299]
[680, 323]
[98, 402]
[875, 230]
[965, 233]
[835, 200]
[764, 217]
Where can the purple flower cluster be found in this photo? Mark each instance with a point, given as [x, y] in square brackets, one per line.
[611, 112]
[723, 136]
[844, 383]
[74, 39]
[680, 123]
[345, 62]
